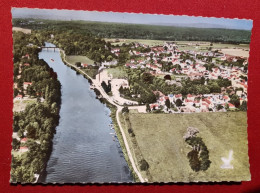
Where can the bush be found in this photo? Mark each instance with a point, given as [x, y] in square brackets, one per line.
[125, 110]
[144, 165]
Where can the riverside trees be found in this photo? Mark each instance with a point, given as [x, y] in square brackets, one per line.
[38, 121]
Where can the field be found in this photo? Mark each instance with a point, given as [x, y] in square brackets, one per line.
[117, 72]
[26, 31]
[232, 49]
[142, 41]
[19, 105]
[159, 140]
[83, 59]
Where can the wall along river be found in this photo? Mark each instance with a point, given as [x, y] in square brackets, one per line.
[85, 148]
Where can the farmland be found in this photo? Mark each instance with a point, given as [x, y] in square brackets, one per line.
[159, 140]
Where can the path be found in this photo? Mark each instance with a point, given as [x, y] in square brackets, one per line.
[119, 108]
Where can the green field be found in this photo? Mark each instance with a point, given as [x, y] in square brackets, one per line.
[159, 140]
[83, 59]
[203, 46]
[117, 72]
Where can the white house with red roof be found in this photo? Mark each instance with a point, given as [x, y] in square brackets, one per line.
[26, 84]
[177, 96]
[231, 106]
[84, 65]
[23, 149]
[24, 140]
[19, 97]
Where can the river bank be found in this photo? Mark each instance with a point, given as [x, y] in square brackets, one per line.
[34, 124]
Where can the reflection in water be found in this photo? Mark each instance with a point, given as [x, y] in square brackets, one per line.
[83, 149]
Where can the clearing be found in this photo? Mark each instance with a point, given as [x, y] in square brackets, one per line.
[20, 105]
[159, 140]
[83, 59]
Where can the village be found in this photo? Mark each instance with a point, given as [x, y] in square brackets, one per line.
[193, 65]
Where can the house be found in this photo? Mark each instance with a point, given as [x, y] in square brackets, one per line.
[23, 149]
[190, 97]
[84, 65]
[23, 140]
[154, 106]
[231, 106]
[26, 84]
[226, 98]
[19, 97]
[177, 96]
[170, 96]
[114, 50]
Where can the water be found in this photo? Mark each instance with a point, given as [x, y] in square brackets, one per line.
[83, 148]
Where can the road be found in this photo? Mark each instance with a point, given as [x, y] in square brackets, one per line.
[96, 84]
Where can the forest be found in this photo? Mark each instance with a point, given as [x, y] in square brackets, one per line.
[140, 31]
[38, 121]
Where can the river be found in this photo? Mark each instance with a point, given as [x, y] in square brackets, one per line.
[85, 148]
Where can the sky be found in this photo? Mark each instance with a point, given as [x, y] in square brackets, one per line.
[153, 19]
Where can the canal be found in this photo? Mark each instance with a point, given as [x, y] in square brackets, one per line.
[85, 148]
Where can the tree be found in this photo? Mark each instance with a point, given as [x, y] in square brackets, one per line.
[125, 109]
[78, 64]
[194, 160]
[219, 107]
[15, 144]
[144, 166]
[178, 102]
[235, 100]
[168, 103]
[243, 106]
[148, 109]
[147, 78]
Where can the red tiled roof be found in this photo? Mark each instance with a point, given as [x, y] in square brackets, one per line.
[24, 139]
[231, 105]
[24, 147]
[27, 83]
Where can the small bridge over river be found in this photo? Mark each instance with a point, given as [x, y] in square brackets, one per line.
[47, 47]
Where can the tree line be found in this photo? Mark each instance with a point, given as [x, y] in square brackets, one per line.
[141, 31]
[38, 121]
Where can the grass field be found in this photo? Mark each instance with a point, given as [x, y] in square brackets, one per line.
[83, 59]
[159, 140]
[117, 72]
[203, 47]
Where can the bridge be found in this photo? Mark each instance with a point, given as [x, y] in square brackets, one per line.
[46, 47]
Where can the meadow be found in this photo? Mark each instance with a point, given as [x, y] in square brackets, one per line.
[159, 140]
[83, 59]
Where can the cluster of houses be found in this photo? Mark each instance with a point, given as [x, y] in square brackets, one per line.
[194, 69]
[193, 103]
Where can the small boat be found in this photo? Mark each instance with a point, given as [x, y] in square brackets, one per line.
[52, 60]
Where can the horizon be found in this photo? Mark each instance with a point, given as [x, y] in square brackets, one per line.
[132, 18]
